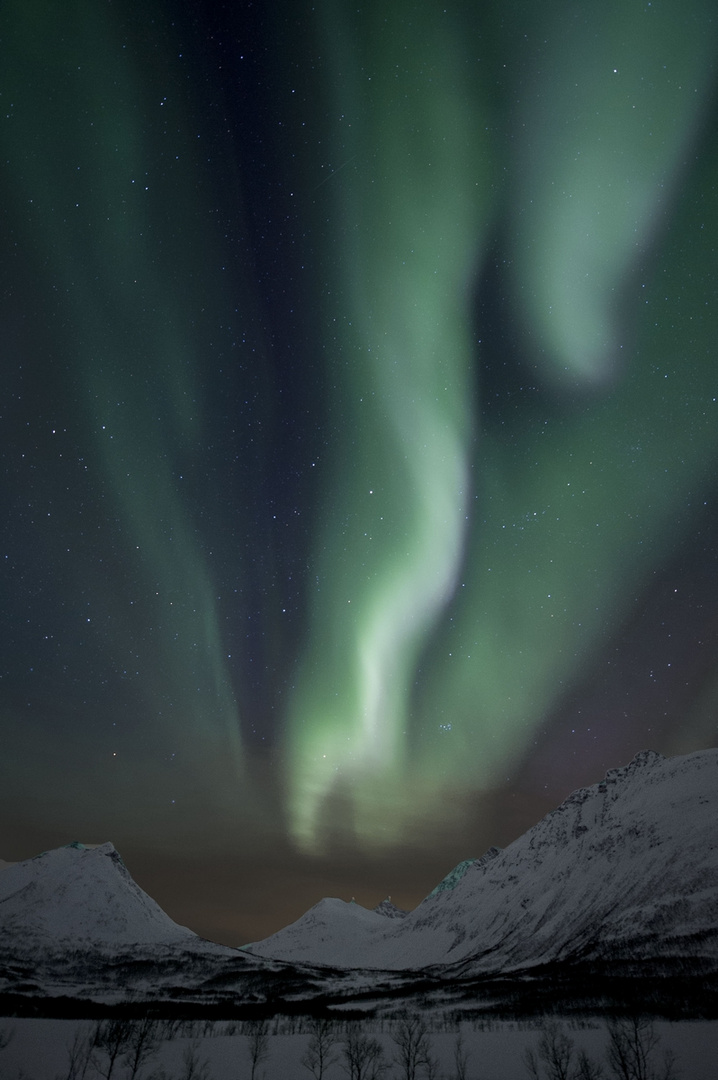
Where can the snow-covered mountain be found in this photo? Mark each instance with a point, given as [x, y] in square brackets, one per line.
[625, 869]
[74, 923]
[82, 897]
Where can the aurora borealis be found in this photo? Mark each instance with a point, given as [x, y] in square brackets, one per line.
[359, 432]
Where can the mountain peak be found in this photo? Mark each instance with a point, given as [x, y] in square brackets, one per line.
[84, 894]
[389, 910]
[107, 847]
[644, 759]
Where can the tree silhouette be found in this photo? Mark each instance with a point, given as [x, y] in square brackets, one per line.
[320, 1053]
[363, 1056]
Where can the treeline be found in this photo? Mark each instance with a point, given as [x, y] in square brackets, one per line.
[130, 1049]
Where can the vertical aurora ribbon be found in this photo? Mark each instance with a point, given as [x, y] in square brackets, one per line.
[464, 577]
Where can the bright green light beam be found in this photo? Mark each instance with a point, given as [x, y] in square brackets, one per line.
[392, 542]
[585, 194]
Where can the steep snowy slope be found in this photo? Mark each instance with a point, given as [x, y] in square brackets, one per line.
[81, 897]
[627, 868]
[73, 924]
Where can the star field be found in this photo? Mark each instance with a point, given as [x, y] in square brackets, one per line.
[359, 432]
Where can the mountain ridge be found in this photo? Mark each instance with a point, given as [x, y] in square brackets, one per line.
[628, 863]
[622, 876]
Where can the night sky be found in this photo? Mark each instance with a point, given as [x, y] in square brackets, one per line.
[358, 431]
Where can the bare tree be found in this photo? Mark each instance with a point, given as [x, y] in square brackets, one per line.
[194, 1068]
[432, 1069]
[554, 1053]
[461, 1057]
[363, 1056]
[631, 1043]
[143, 1043]
[257, 1032]
[531, 1062]
[79, 1051]
[411, 1036]
[555, 1057]
[587, 1069]
[320, 1053]
[111, 1038]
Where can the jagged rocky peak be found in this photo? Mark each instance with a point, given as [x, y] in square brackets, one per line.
[646, 766]
[644, 759]
[391, 911]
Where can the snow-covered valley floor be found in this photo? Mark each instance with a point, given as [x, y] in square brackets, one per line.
[40, 1050]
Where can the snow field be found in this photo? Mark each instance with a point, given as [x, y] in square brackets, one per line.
[38, 1050]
